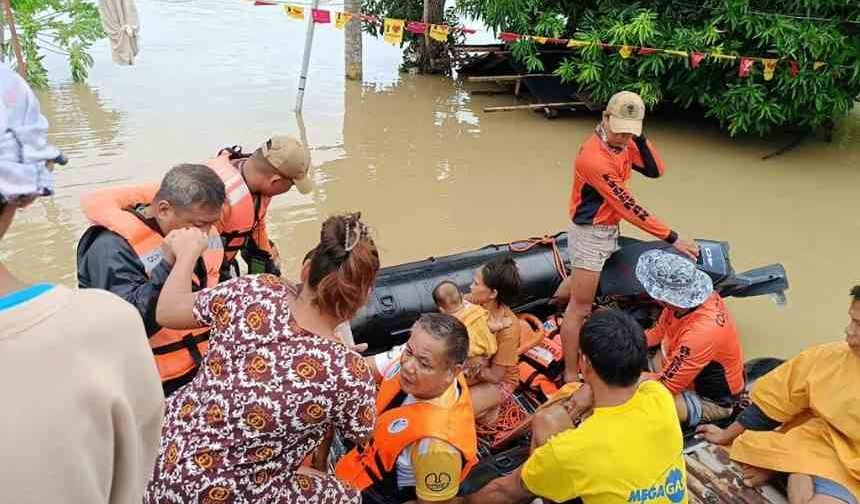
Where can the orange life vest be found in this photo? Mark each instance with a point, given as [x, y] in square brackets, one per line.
[177, 352]
[238, 220]
[399, 426]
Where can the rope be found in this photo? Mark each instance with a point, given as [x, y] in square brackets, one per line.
[526, 245]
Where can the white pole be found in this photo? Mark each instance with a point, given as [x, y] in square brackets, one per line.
[306, 59]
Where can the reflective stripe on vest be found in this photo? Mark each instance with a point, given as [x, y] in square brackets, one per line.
[399, 426]
[177, 352]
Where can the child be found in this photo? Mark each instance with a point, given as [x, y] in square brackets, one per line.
[482, 339]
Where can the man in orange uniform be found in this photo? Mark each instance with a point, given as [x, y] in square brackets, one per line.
[599, 200]
[701, 361]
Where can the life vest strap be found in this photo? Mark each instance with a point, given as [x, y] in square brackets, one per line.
[188, 342]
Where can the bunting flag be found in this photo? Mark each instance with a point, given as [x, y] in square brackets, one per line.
[745, 67]
[416, 27]
[393, 34]
[392, 30]
[439, 32]
[320, 16]
[341, 19]
[294, 11]
[769, 68]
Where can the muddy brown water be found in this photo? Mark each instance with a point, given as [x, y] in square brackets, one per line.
[430, 171]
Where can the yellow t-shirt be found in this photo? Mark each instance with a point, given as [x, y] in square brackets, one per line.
[482, 343]
[605, 460]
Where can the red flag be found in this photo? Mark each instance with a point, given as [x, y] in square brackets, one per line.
[559, 41]
[508, 37]
[793, 69]
[745, 67]
[696, 59]
[320, 16]
[261, 2]
[416, 28]
[645, 51]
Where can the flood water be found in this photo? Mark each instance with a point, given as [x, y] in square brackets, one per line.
[429, 170]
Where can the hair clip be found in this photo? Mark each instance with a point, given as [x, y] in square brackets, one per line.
[360, 230]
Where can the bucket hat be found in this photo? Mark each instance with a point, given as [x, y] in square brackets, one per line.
[673, 279]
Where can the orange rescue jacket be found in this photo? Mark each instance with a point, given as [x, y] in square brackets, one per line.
[177, 352]
[399, 426]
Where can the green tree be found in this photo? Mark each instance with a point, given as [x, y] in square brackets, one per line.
[804, 31]
[66, 27]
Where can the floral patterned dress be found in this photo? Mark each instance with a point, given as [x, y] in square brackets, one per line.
[264, 398]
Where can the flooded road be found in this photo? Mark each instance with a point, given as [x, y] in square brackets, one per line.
[431, 172]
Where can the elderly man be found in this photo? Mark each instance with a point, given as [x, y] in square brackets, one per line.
[803, 421]
[122, 252]
[424, 442]
[701, 361]
[599, 200]
[628, 450]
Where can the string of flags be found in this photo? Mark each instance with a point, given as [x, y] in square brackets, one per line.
[393, 31]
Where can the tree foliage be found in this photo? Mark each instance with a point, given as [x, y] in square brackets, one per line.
[806, 31]
[66, 27]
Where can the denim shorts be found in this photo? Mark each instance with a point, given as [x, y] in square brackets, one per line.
[830, 488]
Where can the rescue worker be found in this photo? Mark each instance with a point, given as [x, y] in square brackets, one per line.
[123, 253]
[627, 445]
[700, 361]
[803, 422]
[599, 200]
[251, 181]
[424, 442]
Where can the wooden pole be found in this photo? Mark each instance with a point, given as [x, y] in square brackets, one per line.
[502, 78]
[533, 106]
[353, 43]
[16, 44]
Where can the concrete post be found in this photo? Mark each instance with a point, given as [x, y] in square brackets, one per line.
[352, 42]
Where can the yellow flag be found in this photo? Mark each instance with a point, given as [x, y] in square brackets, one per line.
[577, 43]
[439, 32]
[818, 64]
[294, 11]
[341, 19]
[769, 68]
[723, 56]
[540, 40]
[625, 51]
[393, 31]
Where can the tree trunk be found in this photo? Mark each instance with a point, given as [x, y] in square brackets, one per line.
[352, 41]
[433, 54]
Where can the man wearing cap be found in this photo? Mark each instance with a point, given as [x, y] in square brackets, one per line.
[700, 359]
[599, 200]
[274, 168]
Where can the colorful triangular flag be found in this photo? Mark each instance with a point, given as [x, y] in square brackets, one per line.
[577, 43]
[769, 68]
[294, 11]
[625, 51]
[261, 2]
[439, 32]
[468, 31]
[696, 59]
[646, 51]
[818, 64]
[508, 37]
[557, 41]
[341, 19]
[793, 68]
[416, 27]
[745, 67]
[320, 16]
[392, 30]
[540, 40]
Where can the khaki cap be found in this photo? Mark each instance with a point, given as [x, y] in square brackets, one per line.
[290, 158]
[626, 112]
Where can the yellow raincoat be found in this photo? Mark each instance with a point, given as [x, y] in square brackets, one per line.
[817, 397]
